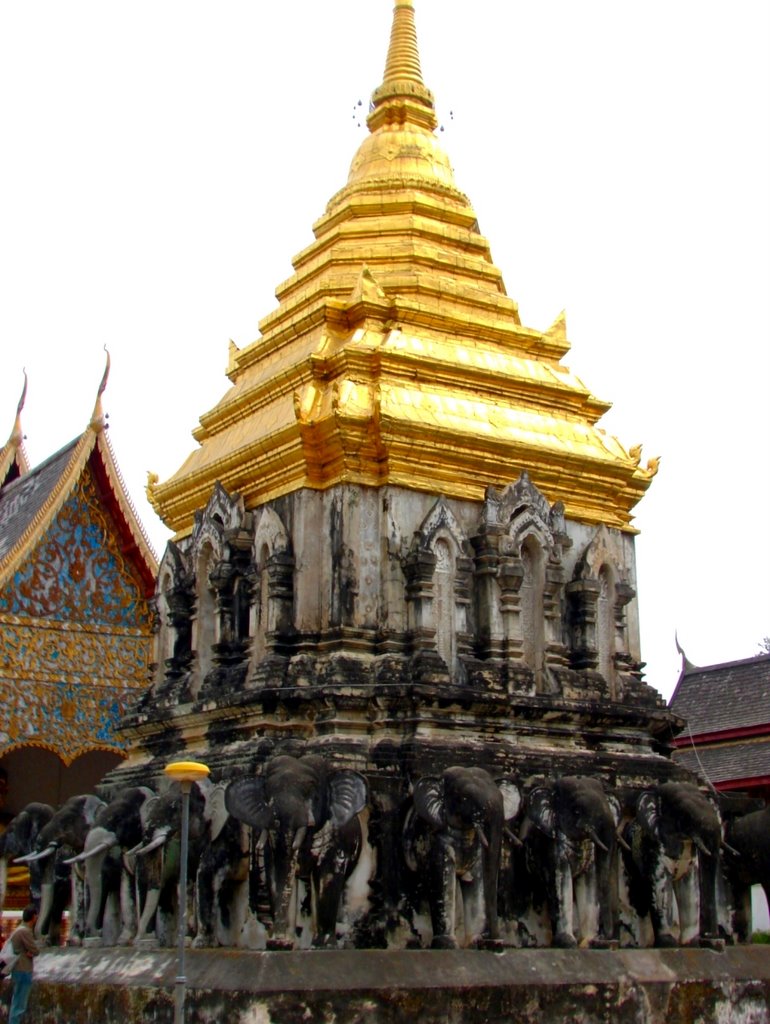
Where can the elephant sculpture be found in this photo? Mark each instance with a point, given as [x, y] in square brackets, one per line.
[61, 838]
[571, 846]
[158, 854]
[673, 859]
[117, 828]
[747, 863]
[19, 839]
[305, 828]
[453, 833]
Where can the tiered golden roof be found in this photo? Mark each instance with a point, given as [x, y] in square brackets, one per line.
[396, 356]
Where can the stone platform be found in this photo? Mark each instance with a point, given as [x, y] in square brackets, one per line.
[122, 986]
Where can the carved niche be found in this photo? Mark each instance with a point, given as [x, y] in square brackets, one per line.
[598, 595]
[438, 571]
[274, 585]
[225, 574]
[175, 603]
[520, 547]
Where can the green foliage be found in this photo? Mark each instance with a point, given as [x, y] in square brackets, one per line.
[761, 938]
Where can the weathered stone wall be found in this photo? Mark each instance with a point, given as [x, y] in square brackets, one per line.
[454, 987]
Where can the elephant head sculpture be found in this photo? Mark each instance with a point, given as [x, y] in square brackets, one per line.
[158, 854]
[117, 828]
[61, 838]
[304, 820]
[453, 832]
[573, 849]
[19, 839]
[747, 863]
[673, 859]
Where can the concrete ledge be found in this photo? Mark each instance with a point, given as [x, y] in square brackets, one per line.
[120, 986]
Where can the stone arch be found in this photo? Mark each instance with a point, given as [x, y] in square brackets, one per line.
[438, 574]
[532, 555]
[522, 539]
[605, 624]
[205, 626]
[273, 557]
[166, 634]
[598, 595]
[175, 602]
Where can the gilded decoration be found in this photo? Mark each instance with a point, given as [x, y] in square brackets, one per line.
[77, 572]
[395, 355]
[75, 634]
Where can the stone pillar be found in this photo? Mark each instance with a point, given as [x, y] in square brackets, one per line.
[583, 596]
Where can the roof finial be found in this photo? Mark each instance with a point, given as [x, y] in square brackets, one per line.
[97, 416]
[17, 434]
[402, 95]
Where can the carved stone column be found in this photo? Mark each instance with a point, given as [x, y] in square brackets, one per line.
[583, 597]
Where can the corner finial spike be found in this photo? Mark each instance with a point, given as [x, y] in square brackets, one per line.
[97, 416]
[402, 95]
[17, 434]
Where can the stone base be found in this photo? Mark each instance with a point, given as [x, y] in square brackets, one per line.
[122, 986]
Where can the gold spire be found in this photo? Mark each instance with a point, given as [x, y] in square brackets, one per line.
[402, 97]
[395, 354]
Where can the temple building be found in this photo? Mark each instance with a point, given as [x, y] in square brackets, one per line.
[727, 709]
[77, 575]
[403, 541]
[404, 497]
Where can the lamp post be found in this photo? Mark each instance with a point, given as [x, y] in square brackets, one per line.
[185, 773]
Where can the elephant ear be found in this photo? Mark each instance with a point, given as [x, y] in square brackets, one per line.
[347, 796]
[648, 812]
[247, 801]
[216, 810]
[429, 801]
[91, 807]
[511, 798]
[540, 810]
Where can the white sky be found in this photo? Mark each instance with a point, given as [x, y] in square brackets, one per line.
[163, 161]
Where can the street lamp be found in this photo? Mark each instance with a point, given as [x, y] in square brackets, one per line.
[185, 773]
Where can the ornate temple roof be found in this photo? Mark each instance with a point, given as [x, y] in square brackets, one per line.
[76, 577]
[30, 499]
[395, 354]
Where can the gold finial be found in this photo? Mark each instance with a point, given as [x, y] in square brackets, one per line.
[17, 434]
[97, 416]
[402, 95]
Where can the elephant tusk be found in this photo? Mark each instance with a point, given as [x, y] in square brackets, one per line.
[730, 849]
[156, 842]
[513, 837]
[262, 840]
[87, 854]
[29, 858]
[299, 838]
[482, 838]
[701, 846]
[596, 840]
[623, 843]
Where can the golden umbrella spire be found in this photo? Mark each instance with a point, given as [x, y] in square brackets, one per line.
[402, 97]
